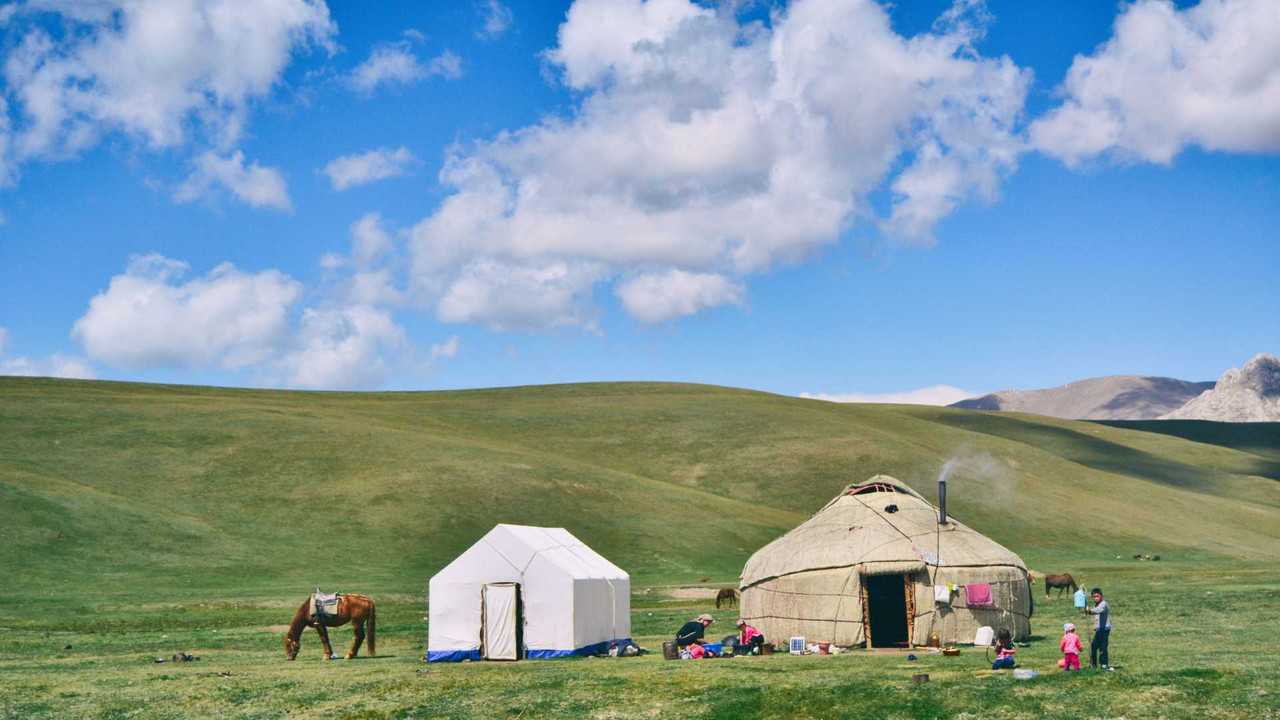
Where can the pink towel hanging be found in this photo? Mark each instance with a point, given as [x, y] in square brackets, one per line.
[978, 595]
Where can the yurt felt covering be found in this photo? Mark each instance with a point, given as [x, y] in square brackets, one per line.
[813, 581]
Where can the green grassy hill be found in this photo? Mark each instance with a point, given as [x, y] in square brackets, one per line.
[182, 489]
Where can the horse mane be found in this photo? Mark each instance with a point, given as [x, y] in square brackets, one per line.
[299, 621]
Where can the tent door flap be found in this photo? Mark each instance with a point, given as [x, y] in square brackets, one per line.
[500, 613]
[886, 609]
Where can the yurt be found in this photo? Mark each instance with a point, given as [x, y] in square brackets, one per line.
[880, 566]
[526, 592]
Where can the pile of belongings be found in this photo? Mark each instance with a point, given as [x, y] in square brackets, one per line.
[625, 648]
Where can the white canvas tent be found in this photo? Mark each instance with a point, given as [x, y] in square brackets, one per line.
[526, 592]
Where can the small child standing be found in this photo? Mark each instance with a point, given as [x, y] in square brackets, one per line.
[1004, 651]
[1071, 647]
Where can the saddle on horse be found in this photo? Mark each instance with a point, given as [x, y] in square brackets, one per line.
[324, 604]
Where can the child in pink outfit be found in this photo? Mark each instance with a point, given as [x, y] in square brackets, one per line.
[1071, 647]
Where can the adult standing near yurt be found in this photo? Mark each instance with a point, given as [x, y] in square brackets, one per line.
[879, 565]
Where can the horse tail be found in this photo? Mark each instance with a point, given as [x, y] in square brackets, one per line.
[373, 628]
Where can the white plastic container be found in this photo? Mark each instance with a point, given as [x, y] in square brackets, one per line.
[1025, 674]
[797, 645]
[984, 636]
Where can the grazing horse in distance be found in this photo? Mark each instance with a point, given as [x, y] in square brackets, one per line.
[355, 609]
[1062, 582]
[727, 596]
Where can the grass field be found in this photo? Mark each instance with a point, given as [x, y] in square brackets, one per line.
[1191, 640]
[140, 520]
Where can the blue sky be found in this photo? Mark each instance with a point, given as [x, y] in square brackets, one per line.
[826, 196]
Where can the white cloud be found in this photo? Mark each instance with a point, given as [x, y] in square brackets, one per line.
[369, 274]
[8, 164]
[343, 348]
[396, 65]
[369, 240]
[361, 169]
[255, 185]
[497, 19]
[148, 318]
[519, 297]
[150, 69]
[657, 297]
[56, 365]
[447, 349]
[350, 339]
[1208, 75]
[712, 147]
[932, 395]
[447, 65]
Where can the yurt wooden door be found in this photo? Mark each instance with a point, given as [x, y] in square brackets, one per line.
[501, 620]
[887, 617]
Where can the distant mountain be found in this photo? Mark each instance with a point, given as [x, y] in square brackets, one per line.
[1247, 394]
[1115, 397]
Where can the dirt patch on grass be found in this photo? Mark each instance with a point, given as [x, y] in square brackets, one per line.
[693, 593]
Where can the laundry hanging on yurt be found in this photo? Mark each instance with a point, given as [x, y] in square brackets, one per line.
[868, 568]
[527, 592]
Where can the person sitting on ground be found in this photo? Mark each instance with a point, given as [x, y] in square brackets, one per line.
[1004, 650]
[1099, 646]
[749, 641]
[691, 632]
[1071, 647]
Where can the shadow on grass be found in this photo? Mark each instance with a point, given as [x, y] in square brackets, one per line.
[1258, 439]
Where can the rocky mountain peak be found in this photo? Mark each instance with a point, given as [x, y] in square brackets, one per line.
[1261, 374]
[1246, 394]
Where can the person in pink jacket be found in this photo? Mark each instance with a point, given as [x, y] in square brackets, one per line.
[749, 639]
[1004, 651]
[1071, 647]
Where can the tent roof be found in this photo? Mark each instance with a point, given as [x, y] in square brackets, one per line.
[858, 528]
[518, 545]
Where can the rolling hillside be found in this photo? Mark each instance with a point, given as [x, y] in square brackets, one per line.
[109, 485]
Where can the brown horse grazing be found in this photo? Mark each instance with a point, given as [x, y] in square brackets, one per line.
[354, 609]
[728, 596]
[1062, 582]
